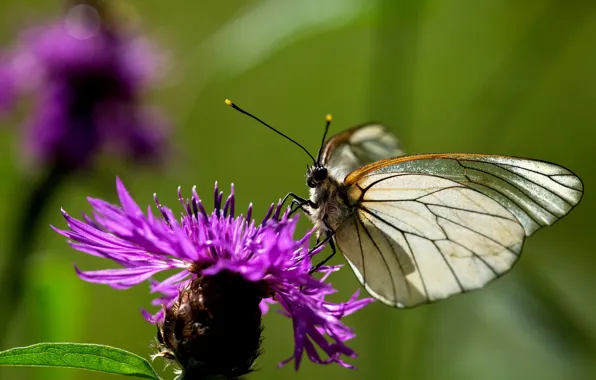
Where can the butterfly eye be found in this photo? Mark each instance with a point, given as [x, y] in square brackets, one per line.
[320, 174]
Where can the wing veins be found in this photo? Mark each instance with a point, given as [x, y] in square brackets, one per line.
[485, 195]
[539, 223]
[479, 233]
[476, 255]
[528, 169]
[417, 234]
[562, 184]
[434, 241]
[551, 177]
[417, 198]
[528, 180]
[479, 205]
[382, 256]
[381, 180]
[461, 287]
[438, 190]
[401, 268]
[517, 188]
[472, 211]
[361, 255]
[416, 264]
[409, 247]
[375, 215]
[499, 218]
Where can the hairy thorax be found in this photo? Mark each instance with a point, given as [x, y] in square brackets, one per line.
[333, 207]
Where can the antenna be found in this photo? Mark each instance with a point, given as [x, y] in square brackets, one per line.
[328, 120]
[229, 102]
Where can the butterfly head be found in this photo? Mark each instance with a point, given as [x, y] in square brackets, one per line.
[316, 175]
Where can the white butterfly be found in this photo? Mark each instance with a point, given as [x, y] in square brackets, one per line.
[420, 228]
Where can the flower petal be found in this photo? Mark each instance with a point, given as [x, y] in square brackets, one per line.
[124, 277]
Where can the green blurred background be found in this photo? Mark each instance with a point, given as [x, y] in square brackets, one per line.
[509, 77]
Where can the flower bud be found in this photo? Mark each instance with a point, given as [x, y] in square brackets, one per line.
[214, 326]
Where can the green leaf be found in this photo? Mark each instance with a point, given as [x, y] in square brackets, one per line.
[93, 357]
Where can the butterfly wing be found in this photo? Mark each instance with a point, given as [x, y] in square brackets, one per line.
[427, 227]
[358, 146]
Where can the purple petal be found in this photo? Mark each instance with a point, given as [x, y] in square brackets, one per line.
[125, 277]
[128, 204]
[170, 282]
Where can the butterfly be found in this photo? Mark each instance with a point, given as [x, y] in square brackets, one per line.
[416, 229]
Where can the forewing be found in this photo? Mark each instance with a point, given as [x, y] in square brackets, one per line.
[356, 147]
[537, 193]
[420, 238]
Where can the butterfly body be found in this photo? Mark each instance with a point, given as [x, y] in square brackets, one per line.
[331, 205]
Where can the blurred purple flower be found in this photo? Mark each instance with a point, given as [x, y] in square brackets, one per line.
[86, 76]
[204, 244]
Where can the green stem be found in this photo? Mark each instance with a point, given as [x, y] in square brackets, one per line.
[29, 217]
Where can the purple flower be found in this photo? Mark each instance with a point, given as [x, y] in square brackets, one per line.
[202, 246]
[86, 76]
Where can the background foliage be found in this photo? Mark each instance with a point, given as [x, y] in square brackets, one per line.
[509, 77]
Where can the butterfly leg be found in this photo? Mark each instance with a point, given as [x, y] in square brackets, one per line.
[318, 244]
[297, 205]
[328, 239]
[302, 201]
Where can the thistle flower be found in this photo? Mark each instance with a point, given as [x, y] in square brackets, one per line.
[86, 74]
[226, 266]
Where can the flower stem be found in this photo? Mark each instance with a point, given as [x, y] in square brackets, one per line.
[12, 276]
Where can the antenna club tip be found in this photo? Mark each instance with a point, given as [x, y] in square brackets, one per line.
[228, 102]
[329, 118]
